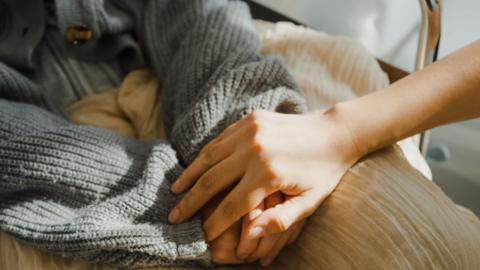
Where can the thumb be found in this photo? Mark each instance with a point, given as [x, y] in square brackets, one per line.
[281, 217]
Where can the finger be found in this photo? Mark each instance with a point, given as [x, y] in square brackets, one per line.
[242, 199]
[246, 248]
[223, 248]
[284, 215]
[243, 121]
[266, 243]
[217, 179]
[296, 232]
[279, 245]
[232, 129]
[235, 127]
[209, 156]
[265, 246]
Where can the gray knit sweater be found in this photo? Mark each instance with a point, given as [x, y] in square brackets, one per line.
[86, 192]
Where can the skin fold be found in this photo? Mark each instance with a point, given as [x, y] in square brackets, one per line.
[269, 171]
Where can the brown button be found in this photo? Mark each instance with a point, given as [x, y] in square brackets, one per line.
[78, 35]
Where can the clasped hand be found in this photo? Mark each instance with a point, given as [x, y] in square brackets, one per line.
[261, 178]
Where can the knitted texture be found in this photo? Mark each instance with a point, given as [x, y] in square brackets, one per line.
[88, 193]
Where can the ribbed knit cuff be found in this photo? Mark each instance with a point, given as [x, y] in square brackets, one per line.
[89, 193]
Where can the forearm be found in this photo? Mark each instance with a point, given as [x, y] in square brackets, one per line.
[444, 92]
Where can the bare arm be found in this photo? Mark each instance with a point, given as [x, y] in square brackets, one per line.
[444, 92]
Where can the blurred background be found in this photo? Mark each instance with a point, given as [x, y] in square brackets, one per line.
[389, 30]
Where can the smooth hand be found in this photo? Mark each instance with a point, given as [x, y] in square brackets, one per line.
[229, 248]
[300, 157]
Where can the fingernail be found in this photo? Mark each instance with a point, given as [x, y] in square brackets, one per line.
[174, 215]
[255, 232]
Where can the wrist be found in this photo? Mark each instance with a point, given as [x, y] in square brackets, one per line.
[371, 123]
[344, 140]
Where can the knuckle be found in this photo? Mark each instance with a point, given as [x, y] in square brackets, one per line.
[270, 175]
[207, 181]
[259, 143]
[275, 183]
[209, 154]
[228, 209]
[253, 115]
[186, 200]
[256, 145]
[259, 146]
[253, 120]
[257, 136]
[281, 222]
[258, 113]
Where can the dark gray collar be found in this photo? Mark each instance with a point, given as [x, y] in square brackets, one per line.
[21, 29]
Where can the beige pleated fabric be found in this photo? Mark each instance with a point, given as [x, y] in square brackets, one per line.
[383, 215]
[328, 69]
[386, 215]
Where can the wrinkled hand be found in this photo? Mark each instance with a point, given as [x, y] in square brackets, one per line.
[301, 156]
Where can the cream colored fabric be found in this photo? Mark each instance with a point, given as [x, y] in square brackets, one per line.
[328, 69]
[383, 215]
[134, 109]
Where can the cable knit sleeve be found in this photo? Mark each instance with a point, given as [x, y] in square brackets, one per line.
[86, 192]
[207, 55]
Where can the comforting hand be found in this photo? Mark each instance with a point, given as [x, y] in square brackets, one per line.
[229, 248]
[223, 248]
[265, 248]
[301, 157]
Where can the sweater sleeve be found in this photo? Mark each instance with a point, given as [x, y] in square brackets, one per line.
[86, 192]
[207, 55]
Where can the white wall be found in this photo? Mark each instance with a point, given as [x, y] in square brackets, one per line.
[388, 28]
